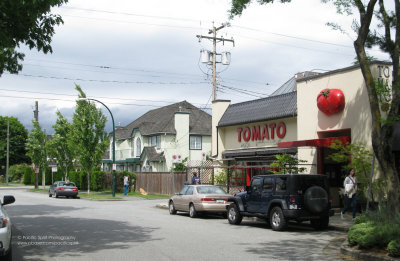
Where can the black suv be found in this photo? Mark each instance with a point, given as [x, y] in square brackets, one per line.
[282, 197]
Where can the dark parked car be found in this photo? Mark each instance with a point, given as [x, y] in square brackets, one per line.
[63, 188]
[279, 198]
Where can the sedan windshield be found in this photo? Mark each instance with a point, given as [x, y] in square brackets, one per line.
[210, 190]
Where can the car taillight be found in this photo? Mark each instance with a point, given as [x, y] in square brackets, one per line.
[74, 189]
[3, 222]
[292, 199]
[208, 199]
[60, 188]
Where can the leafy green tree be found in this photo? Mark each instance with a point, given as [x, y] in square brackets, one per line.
[60, 147]
[287, 164]
[356, 156]
[386, 35]
[25, 22]
[18, 136]
[89, 136]
[16, 172]
[37, 151]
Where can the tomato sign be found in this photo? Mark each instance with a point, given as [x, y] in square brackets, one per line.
[330, 101]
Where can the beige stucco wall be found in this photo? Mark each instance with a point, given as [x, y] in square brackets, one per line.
[218, 109]
[355, 116]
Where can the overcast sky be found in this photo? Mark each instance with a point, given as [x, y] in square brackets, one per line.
[140, 55]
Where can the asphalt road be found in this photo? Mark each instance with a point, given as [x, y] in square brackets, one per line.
[77, 229]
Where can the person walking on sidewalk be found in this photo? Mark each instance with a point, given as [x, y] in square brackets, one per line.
[126, 185]
[350, 189]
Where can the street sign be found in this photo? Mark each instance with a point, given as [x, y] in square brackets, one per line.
[54, 169]
[36, 170]
[176, 159]
[114, 166]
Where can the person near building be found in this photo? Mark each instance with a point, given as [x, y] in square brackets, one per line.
[126, 185]
[195, 179]
[350, 190]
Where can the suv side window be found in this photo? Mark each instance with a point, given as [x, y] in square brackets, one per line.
[280, 183]
[256, 184]
[268, 183]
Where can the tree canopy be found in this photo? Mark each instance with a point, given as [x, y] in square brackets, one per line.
[60, 147]
[89, 136]
[25, 22]
[36, 147]
[18, 136]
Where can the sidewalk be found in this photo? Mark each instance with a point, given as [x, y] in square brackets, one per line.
[336, 223]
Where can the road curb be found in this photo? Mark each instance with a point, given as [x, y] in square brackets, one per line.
[345, 249]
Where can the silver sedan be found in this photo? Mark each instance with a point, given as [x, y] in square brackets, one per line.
[199, 198]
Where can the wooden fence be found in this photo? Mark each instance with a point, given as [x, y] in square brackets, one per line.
[160, 183]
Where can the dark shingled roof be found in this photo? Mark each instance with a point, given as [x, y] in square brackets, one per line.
[152, 154]
[162, 120]
[271, 108]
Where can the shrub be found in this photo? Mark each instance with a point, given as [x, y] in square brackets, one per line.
[394, 248]
[357, 232]
[29, 176]
[16, 172]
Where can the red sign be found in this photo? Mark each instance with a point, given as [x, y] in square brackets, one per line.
[263, 132]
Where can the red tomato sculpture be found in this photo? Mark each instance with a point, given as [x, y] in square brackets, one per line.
[330, 101]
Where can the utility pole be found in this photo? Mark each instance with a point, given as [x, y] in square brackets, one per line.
[36, 168]
[36, 111]
[214, 39]
[8, 149]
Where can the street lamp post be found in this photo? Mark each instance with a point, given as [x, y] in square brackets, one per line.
[113, 143]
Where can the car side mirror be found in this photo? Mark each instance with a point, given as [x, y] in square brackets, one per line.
[8, 200]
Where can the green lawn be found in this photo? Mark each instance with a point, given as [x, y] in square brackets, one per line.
[107, 195]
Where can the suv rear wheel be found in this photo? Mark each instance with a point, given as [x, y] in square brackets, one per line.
[234, 216]
[277, 220]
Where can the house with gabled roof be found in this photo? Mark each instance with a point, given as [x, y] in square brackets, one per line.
[150, 142]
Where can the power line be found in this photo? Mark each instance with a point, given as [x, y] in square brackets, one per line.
[96, 97]
[105, 81]
[71, 100]
[130, 14]
[140, 23]
[293, 37]
[110, 67]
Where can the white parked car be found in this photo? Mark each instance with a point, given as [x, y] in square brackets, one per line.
[5, 229]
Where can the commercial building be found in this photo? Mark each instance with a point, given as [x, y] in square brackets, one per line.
[248, 135]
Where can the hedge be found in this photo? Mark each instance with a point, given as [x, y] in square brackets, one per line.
[99, 180]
